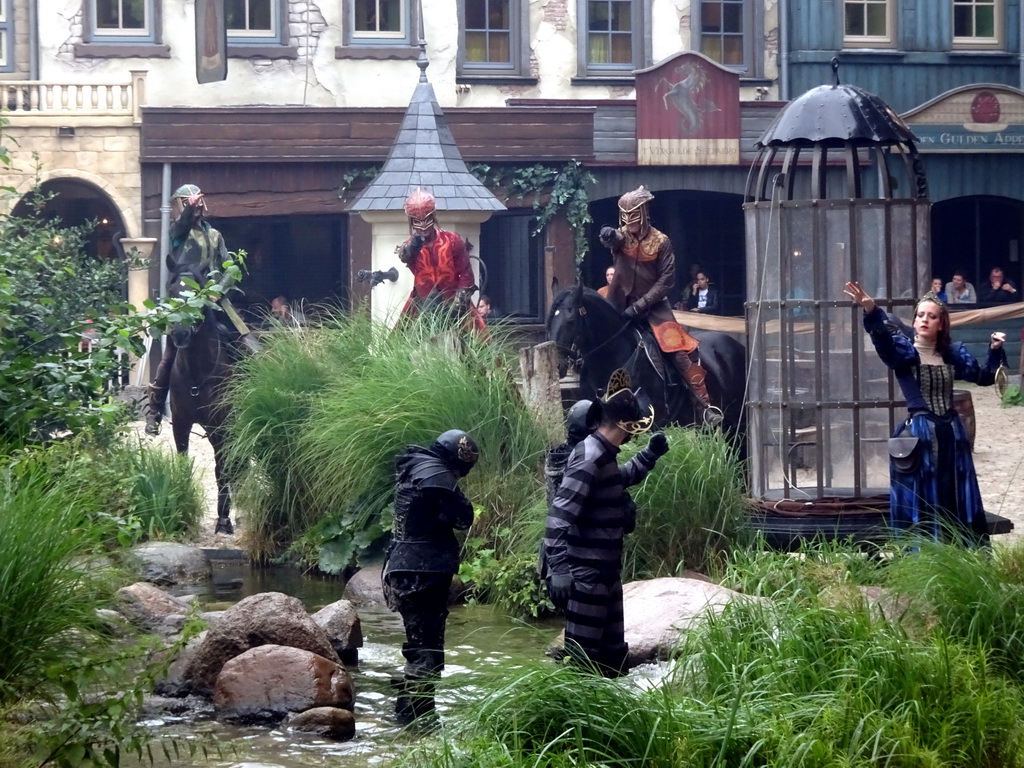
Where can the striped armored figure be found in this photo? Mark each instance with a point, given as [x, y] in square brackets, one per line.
[587, 522]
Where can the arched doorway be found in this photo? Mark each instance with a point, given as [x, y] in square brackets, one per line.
[706, 228]
[975, 234]
[78, 203]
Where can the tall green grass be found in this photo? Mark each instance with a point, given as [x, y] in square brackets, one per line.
[690, 509]
[320, 416]
[47, 597]
[794, 681]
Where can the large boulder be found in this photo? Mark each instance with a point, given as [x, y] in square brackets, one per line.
[165, 563]
[329, 722]
[268, 682]
[364, 587]
[656, 612]
[341, 623]
[152, 609]
[269, 618]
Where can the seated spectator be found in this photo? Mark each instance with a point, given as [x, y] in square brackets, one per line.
[608, 275]
[281, 309]
[938, 291]
[959, 291]
[487, 310]
[704, 298]
[999, 289]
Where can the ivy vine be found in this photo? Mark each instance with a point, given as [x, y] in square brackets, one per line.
[351, 177]
[566, 187]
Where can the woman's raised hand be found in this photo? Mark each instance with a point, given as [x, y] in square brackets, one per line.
[859, 296]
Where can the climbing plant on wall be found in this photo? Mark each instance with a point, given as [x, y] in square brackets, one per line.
[553, 189]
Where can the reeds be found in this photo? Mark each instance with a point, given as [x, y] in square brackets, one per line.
[320, 416]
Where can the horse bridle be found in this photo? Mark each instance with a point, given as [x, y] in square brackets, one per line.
[580, 358]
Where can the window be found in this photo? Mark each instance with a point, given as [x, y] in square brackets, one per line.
[491, 37]
[868, 23]
[121, 21]
[380, 23]
[253, 21]
[515, 265]
[6, 37]
[977, 24]
[611, 37]
[726, 33]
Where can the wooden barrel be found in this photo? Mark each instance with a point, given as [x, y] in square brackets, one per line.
[964, 405]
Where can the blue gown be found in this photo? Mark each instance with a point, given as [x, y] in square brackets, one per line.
[942, 497]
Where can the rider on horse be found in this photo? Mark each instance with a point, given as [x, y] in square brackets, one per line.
[645, 269]
[442, 274]
[200, 248]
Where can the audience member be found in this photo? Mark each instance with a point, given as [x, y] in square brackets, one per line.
[959, 291]
[608, 275]
[690, 286]
[704, 298]
[999, 289]
[281, 309]
[486, 309]
[938, 291]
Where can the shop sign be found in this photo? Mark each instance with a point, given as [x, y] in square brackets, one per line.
[687, 112]
[977, 118]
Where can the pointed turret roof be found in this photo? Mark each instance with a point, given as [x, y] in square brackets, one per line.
[425, 155]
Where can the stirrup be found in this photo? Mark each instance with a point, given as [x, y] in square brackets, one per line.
[153, 420]
[713, 415]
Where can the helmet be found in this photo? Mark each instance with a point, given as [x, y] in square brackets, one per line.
[458, 450]
[582, 419]
[419, 207]
[186, 191]
[633, 208]
[629, 409]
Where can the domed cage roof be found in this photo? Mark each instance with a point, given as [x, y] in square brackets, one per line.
[856, 127]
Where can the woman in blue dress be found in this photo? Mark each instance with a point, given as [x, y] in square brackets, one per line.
[939, 497]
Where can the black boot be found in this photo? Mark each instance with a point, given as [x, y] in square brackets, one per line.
[415, 701]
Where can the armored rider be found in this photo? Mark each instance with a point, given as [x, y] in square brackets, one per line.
[645, 269]
[195, 244]
[424, 556]
[439, 261]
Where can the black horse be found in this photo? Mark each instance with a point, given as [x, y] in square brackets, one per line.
[203, 365]
[590, 332]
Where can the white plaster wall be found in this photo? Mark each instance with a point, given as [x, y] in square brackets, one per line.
[317, 78]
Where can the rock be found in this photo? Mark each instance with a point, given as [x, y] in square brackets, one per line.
[269, 618]
[364, 588]
[149, 607]
[341, 623]
[173, 683]
[115, 623]
[165, 563]
[657, 611]
[268, 682]
[329, 722]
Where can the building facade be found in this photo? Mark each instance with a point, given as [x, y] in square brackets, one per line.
[105, 92]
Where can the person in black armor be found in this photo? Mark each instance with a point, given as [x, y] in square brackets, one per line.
[587, 524]
[580, 421]
[424, 556]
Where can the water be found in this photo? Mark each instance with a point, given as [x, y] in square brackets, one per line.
[478, 638]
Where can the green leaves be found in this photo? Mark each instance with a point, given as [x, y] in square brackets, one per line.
[566, 190]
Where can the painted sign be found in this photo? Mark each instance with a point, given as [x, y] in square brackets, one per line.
[687, 112]
[976, 118]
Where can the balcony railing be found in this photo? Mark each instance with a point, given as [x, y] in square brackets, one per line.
[35, 98]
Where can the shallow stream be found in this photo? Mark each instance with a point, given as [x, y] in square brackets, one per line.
[477, 637]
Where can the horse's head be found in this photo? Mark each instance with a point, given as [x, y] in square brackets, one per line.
[179, 282]
[579, 319]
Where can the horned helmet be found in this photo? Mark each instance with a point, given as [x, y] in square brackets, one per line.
[633, 210]
[419, 207]
[628, 408]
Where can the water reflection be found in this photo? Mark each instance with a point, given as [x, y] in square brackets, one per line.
[478, 638]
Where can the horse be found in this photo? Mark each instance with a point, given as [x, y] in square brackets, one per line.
[588, 331]
[202, 367]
